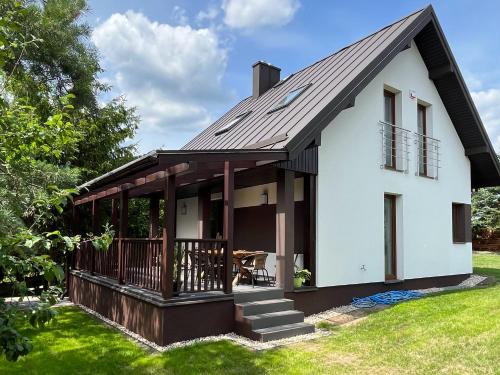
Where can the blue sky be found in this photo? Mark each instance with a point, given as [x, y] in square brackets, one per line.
[184, 63]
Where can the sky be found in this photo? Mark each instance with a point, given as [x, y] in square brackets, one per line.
[183, 63]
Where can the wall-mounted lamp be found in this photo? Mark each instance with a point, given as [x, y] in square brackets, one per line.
[184, 208]
[263, 198]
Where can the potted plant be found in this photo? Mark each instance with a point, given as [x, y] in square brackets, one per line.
[300, 276]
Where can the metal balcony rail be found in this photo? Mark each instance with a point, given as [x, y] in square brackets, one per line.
[428, 159]
[395, 142]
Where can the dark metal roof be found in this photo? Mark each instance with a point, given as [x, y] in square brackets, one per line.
[335, 82]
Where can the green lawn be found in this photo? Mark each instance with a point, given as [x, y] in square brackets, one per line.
[452, 333]
[487, 264]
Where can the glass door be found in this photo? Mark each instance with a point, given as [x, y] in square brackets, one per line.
[390, 236]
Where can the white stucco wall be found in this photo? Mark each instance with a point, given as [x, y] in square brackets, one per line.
[187, 224]
[351, 187]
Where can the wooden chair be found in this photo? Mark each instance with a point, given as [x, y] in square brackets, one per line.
[252, 264]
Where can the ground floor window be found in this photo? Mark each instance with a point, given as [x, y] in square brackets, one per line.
[390, 236]
[461, 222]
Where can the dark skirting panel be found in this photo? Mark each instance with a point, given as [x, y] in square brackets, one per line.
[162, 325]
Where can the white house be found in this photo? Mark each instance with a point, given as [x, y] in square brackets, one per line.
[358, 167]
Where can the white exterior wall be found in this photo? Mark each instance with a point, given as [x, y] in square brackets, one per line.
[351, 187]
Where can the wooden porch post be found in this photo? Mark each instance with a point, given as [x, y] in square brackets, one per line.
[167, 255]
[95, 231]
[285, 236]
[310, 226]
[228, 224]
[122, 234]
[204, 214]
[154, 216]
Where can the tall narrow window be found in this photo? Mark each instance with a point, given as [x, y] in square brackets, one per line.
[390, 236]
[422, 140]
[390, 130]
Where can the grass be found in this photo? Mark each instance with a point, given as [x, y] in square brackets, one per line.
[487, 264]
[452, 333]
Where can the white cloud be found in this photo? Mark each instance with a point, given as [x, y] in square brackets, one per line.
[172, 74]
[251, 14]
[488, 105]
[179, 16]
[207, 15]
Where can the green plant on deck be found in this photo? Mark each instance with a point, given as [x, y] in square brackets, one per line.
[300, 276]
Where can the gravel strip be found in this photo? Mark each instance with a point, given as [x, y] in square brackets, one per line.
[254, 345]
[470, 282]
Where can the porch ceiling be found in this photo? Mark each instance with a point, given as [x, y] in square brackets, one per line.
[146, 175]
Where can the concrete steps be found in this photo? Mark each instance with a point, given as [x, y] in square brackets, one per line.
[264, 314]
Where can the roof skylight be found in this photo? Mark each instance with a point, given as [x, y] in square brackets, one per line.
[231, 124]
[290, 97]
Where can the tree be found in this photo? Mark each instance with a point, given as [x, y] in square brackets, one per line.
[36, 184]
[485, 211]
[59, 60]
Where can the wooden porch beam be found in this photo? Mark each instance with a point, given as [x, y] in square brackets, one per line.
[228, 224]
[122, 234]
[178, 169]
[285, 229]
[167, 255]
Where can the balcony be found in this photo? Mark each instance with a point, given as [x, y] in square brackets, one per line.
[395, 147]
[427, 150]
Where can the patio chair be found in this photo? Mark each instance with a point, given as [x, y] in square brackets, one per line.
[252, 264]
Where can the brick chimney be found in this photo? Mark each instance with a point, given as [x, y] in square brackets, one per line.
[265, 76]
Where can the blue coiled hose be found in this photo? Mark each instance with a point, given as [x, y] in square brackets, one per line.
[387, 298]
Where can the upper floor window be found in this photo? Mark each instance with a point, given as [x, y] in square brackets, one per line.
[395, 139]
[427, 147]
[390, 128]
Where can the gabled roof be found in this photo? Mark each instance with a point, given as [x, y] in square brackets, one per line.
[335, 82]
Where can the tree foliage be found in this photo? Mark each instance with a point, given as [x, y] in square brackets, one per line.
[52, 56]
[44, 65]
[485, 211]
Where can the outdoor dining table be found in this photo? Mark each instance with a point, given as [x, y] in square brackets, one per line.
[238, 257]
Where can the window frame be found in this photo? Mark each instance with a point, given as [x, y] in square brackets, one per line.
[279, 106]
[392, 96]
[231, 124]
[422, 108]
[394, 263]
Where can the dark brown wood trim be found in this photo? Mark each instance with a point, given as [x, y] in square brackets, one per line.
[228, 226]
[285, 235]
[310, 226]
[122, 234]
[167, 256]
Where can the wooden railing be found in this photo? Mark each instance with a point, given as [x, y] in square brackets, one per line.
[199, 265]
[106, 262]
[82, 257]
[142, 262]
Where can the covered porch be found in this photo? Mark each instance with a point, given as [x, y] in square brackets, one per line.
[209, 213]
